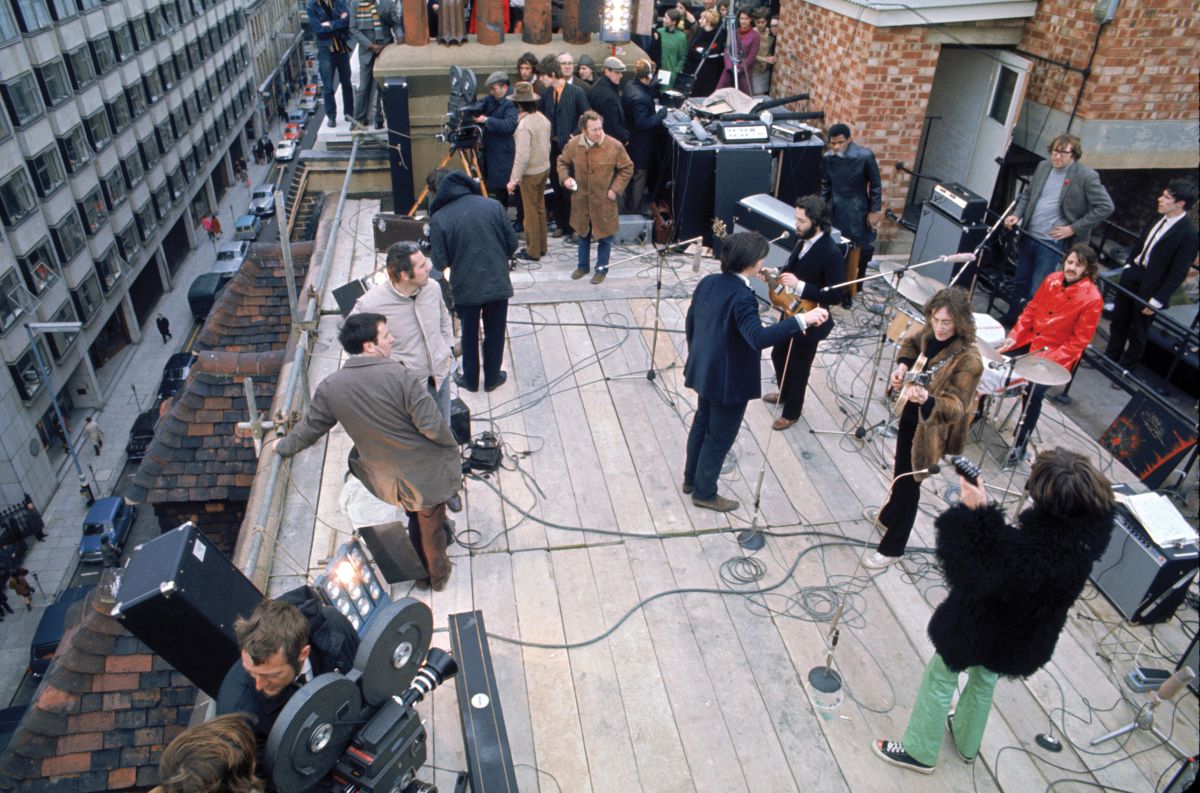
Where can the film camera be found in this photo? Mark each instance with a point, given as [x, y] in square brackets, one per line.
[359, 733]
[459, 128]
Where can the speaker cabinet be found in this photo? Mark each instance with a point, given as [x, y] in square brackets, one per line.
[1144, 582]
[739, 173]
[181, 596]
[939, 234]
[395, 109]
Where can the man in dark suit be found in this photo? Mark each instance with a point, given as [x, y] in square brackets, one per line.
[1062, 204]
[815, 264]
[725, 338]
[1156, 268]
[853, 192]
[562, 103]
[605, 99]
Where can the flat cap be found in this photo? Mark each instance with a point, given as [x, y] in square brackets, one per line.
[614, 63]
[496, 77]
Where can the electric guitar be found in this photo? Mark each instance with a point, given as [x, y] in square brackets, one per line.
[782, 297]
[914, 376]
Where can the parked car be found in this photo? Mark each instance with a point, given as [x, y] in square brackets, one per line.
[286, 151]
[312, 90]
[298, 116]
[141, 434]
[50, 629]
[292, 131]
[109, 517]
[262, 201]
[10, 719]
[230, 256]
[247, 227]
[308, 104]
[175, 373]
[204, 290]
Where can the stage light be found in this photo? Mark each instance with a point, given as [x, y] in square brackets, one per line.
[352, 585]
[615, 21]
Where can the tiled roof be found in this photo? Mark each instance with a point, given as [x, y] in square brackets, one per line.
[101, 716]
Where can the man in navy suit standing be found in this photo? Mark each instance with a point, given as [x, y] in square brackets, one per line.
[725, 340]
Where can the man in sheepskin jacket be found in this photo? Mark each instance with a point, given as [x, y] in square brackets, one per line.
[1010, 590]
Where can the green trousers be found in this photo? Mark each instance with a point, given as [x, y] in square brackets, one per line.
[923, 738]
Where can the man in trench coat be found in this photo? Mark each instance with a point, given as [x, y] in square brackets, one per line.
[596, 169]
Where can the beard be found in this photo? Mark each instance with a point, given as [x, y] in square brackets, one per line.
[812, 232]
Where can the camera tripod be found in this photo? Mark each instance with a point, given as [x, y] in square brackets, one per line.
[470, 164]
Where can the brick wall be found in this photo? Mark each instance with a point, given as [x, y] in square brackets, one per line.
[1147, 64]
[877, 80]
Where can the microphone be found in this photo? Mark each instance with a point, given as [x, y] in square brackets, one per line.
[696, 260]
[1172, 685]
[933, 468]
[958, 258]
[784, 100]
[999, 364]
[783, 235]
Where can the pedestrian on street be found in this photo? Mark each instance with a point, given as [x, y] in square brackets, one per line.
[206, 223]
[216, 225]
[94, 434]
[164, 327]
[109, 553]
[4, 603]
[33, 520]
[19, 584]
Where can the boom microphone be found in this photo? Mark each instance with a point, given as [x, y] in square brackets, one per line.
[767, 104]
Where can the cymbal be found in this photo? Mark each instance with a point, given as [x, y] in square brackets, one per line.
[1041, 371]
[987, 352]
[913, 286]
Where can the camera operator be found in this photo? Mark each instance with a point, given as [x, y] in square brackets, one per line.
[284, 645]
[214, 757]
[1010, 588]
[499, 121]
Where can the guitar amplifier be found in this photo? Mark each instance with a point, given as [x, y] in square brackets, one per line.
[1144, 582]
[959, 203]
[742, 132]
[389, 229]
[181, 596]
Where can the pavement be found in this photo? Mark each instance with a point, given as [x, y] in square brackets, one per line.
[129, 383]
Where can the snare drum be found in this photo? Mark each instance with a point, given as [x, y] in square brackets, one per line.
[904, 326]
[988, 329]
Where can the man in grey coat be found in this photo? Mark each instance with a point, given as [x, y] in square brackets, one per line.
[373, 25]
[403, 451]
[1062, 204]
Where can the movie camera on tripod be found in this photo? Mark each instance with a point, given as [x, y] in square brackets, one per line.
[354, 733]
[458, 127]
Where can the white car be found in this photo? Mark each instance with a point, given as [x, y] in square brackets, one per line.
[262, 200]
[308, 104]
[285, 151]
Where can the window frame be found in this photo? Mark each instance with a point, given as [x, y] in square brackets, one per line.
[27, 84]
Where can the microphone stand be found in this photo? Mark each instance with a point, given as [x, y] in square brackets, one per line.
[824, 678]
[979, 248]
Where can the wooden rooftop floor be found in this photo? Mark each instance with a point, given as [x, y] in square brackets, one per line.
[674, 680]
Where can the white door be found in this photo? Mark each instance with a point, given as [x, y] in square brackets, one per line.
[998, 116]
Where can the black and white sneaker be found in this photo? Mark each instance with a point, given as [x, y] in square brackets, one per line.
[950, 727]
[893, 752]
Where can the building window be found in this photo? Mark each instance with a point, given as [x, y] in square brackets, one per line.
[178, 123]
[166, 75]
[145, 221]
[15, 302]
[154, 86]
[165, 138]
[62, 9]
[21, 97]
[103, 55]
[17, 200]
[1002, 97]
[189, 165]
[170, 15]
[123, 43]
[129, 245]
[48, 172]
[5, 129]
[75, 150]
[118, 113]
[154, 20]
[68, 237]
[56, 86]
[115, 189]
[32, 15]
[39, 268]
[162, 200]
[141, 33]
[92, 211]
[134, 171]
[193, 51]
[83, 70]
[87, 296]
[60, 342]
[8, 25]
[177, 183]
[99, 132]
[136, 94]
[88, 5]
[25, 376]
[108, 266]
[149, 150]
[179, 64]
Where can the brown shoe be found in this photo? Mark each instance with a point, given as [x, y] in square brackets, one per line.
[782, 424]
[599, 276]
[687, 488]
[717, 503]
[772, 398]
[577, 274]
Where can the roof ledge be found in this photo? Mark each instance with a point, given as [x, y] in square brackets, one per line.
[920, 13]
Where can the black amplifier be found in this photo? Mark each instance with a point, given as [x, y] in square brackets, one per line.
[389, 229]
[958, 202]
[1144, 582]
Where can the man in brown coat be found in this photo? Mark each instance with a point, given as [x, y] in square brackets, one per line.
[403, 451]
[596, 169]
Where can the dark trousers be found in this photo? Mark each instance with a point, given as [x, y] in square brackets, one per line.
[714, 429]
[900, 512]
[793, 384]
[494, 316]
[1129, 329]
[426, 529]
[560, 203]
[329, 62]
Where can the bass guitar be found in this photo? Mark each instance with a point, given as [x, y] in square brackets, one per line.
[782, 297]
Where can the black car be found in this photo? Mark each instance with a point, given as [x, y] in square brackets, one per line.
[141, 434]
[175, 373]
[50, 629]
[203, 293]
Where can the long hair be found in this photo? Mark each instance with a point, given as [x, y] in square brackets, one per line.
[955, 300]
[1085, 254]
[817, 210]
[1066, 483]
[214, 757]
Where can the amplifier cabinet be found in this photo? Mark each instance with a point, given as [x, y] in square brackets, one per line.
[1144, 582]
[939, 234]
[181, 596]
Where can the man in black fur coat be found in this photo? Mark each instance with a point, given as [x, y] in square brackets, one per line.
[1010, 590]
